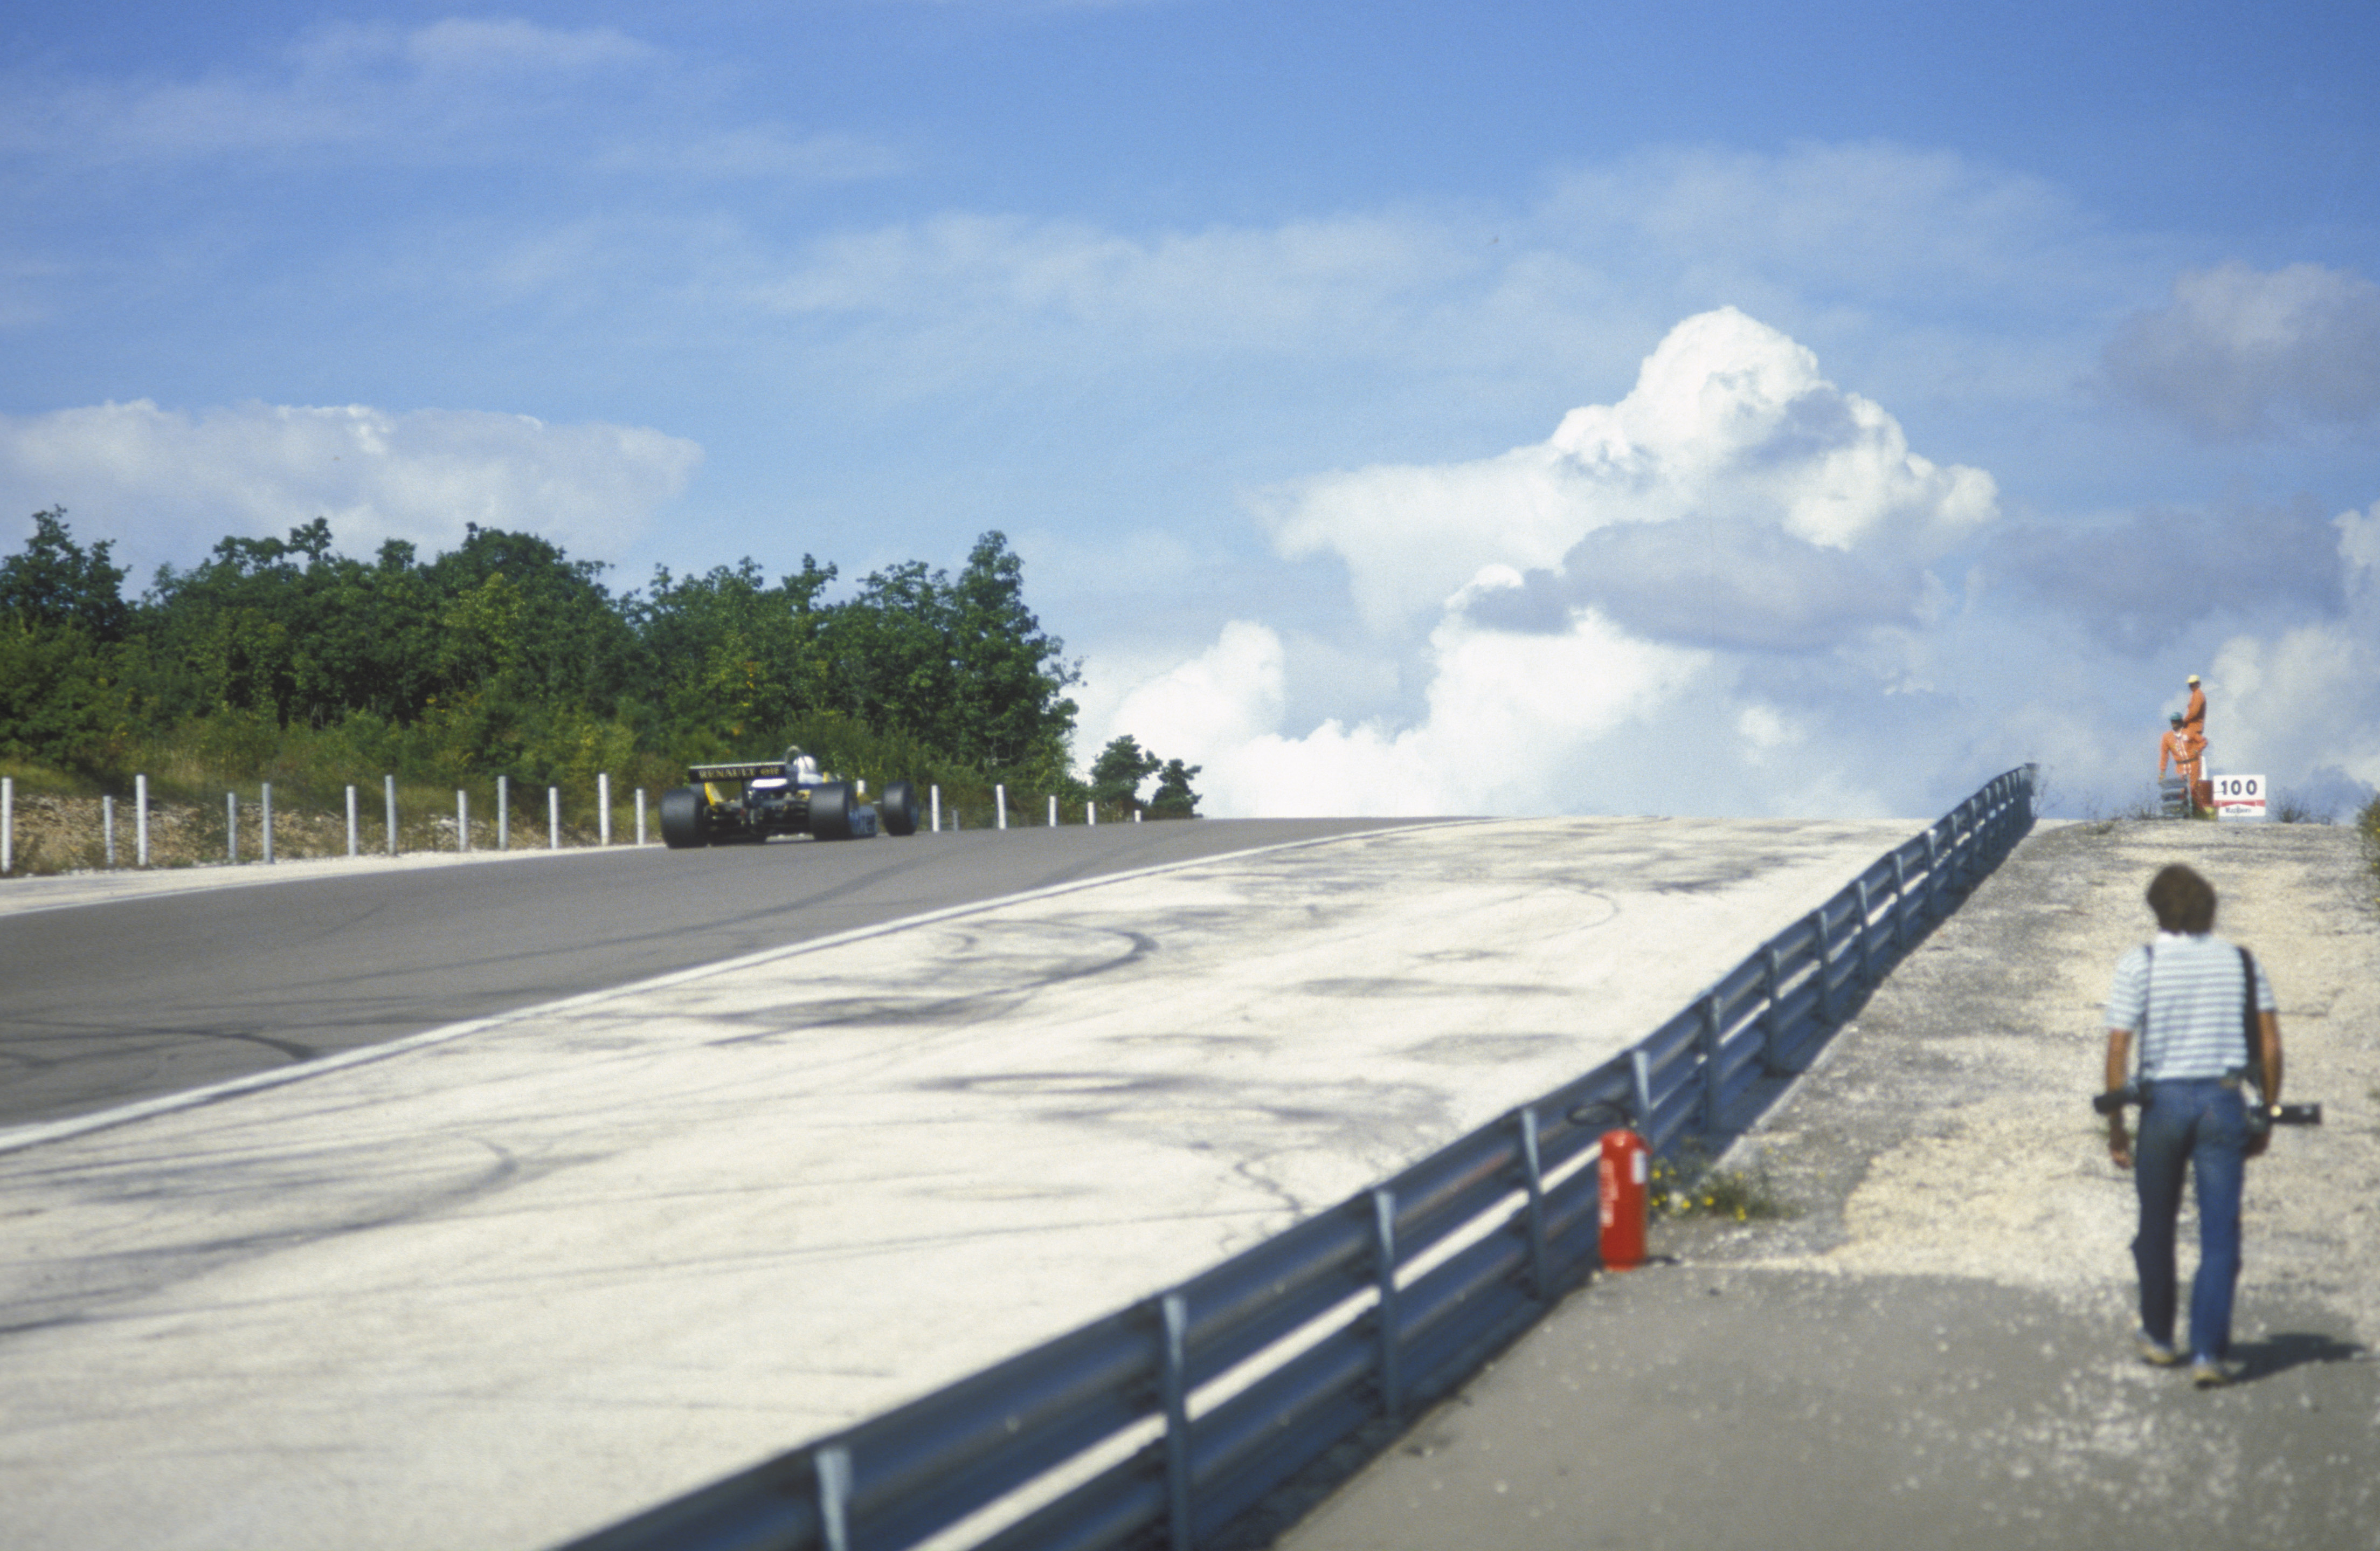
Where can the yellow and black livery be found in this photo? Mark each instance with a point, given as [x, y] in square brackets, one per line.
[752, 800]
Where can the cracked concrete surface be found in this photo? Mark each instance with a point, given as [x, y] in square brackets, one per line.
[1934, 1351]
[501, 1289]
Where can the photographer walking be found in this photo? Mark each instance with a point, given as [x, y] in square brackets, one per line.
[2192, 1000]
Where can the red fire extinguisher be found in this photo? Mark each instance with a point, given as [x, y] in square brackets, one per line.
[1626, 1166]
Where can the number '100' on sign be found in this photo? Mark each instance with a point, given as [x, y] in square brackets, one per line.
[2239, 797]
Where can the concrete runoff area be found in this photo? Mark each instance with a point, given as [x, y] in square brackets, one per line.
[1937, 1351]
[508, 1288]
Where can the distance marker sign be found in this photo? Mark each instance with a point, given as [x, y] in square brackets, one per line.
[2239, 797]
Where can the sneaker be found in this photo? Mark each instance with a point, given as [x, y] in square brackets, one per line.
[2152, 1352]
[2208, 1374]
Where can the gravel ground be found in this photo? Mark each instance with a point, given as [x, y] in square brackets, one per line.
[1945, 1132]
[1934, 1351]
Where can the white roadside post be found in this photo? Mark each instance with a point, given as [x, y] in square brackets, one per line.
[640, 815]
[108, 825]
[1135, 815]
[141, 819]
[352, 837]
[1053, 812]
[1000, 806]
[268, 824]
[603, 807]
[231, 827]
[392, 815]
[1091, 812]
[7, 824]
[504, 814]
[937, 792]
[462, 820]
[553, 818]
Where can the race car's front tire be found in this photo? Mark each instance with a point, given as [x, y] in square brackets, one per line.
[831, 808]
[898, 809]
[682, 815]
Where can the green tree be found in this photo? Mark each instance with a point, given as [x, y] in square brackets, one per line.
[964, 666]
[1117, 773]
[570, 641]
[1174, 799]
[53, 581]
[63, 620]
[728, 659]
[1010, 713]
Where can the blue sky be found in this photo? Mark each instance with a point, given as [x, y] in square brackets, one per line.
[1515, 408]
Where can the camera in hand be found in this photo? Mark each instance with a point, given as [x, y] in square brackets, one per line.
[2115, 1099]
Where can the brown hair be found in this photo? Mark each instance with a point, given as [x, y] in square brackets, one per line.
[2184, 901]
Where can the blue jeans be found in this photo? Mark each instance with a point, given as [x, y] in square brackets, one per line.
[2203, 1125]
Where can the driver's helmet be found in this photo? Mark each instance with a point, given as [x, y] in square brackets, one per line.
[801, 767]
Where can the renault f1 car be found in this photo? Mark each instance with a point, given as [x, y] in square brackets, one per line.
[746, 803]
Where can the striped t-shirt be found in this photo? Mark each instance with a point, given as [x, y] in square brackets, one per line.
[2189, 994]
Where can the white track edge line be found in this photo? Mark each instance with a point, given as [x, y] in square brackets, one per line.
[18, 1138]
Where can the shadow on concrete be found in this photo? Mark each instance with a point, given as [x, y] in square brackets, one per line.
[2283, 1350]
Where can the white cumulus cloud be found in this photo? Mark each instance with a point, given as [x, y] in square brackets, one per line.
[2309, 698]
[1739, 589]
[165, 485]
[1733, 459]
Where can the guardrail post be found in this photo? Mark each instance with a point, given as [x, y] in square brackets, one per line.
[1772, 1012]
[1863, 939]
[1053, 812]
[231, 827]
[603, 807]
[1900, 899]
[934, 796]
[141, 820]
[1825, 983]
[462, 820]
[392, 815]
[351, 821]
[640, 815]
[268, 824]
[553, 818]
[1714, 1070]
[1174, 1314]
[504, 813]
[832, 1465]
[999, 805]
[108, 825]
[1533, 1174]
[1091, 813]
[1933, 870]
[1384, 1249]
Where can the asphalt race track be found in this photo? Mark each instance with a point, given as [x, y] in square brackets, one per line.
[109, 1003]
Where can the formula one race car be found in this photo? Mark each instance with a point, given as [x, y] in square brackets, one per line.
[745, 804]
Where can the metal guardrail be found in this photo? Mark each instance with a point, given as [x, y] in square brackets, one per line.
[1158, 1425]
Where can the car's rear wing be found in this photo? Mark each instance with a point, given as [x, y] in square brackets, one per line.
[747, 770]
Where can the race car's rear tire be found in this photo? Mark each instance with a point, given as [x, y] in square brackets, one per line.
[831, 808]
[898, 809]
[681, 816]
